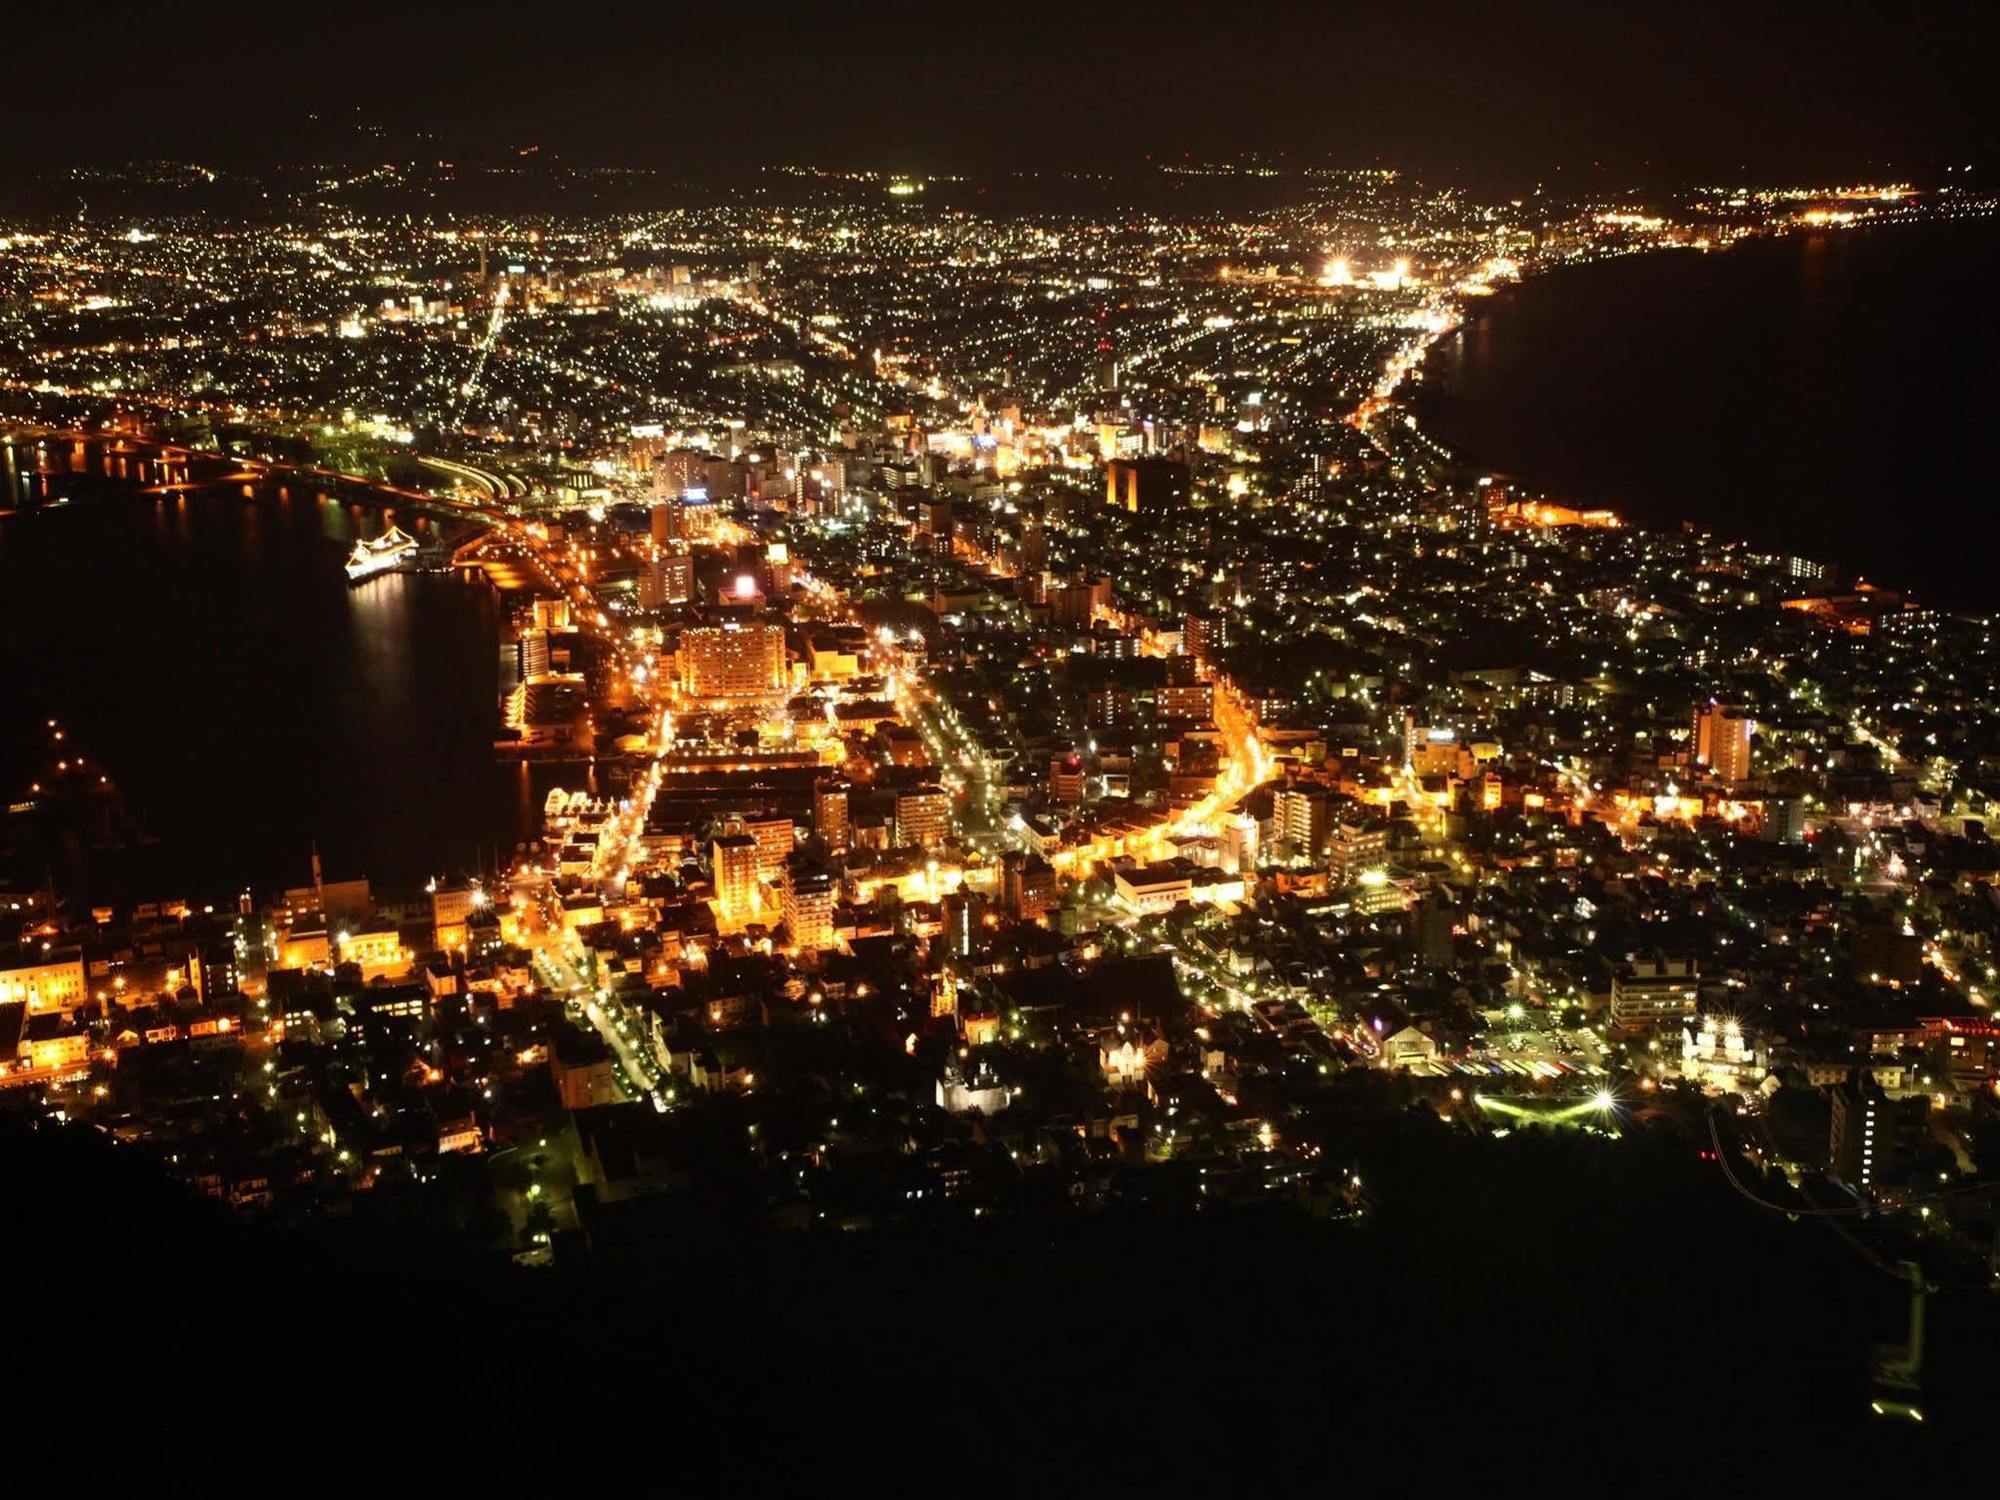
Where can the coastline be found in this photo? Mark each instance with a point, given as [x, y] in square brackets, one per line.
[1398, 396]
[254, 592]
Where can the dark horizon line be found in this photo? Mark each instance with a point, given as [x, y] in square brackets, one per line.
[1918, 169]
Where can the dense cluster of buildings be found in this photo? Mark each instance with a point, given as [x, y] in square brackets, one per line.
[1050, 717]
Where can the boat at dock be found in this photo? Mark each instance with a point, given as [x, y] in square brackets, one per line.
[381, 554]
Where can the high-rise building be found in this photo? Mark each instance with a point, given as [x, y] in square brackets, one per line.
[1028, 885]
[1239, 851]
[1354, 846]
[776, 837]
[666, 579]
[1722, 741]
[733, 864]
[675, 473]
[1784, 820]
[1433, 923]
[830, 813]
[1066, 779]
[653, 584]
[1864, 1143]
[1078, 602]
[1187, 702]
[1648, 994]
[1147, 484]
[808, 897]
[536, 657]
[1301, 820]
[732, 661]
[1203, 635]
[923, 817]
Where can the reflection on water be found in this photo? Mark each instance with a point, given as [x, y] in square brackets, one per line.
[208, 647]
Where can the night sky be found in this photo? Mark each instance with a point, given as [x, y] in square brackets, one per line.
[1506, 93]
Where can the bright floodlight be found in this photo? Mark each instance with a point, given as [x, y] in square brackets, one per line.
[1604, 1099]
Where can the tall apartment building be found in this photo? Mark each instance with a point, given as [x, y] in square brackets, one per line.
[1066, 779]
[732, 661]
[1722, 741]
[1028, 885]
[923, 817]
[665, 580]
[1648, 994]
[807, 898]
[1147, 484]
[1301, 821]
[1865, 1141]
[1355, 846]
[1203, 636]
[733, 864]
[776, 837]
[830, 813]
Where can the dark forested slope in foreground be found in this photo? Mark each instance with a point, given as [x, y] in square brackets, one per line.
[1608, 1311]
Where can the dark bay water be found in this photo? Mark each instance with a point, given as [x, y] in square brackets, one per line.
[206, 648]
[1823, 394]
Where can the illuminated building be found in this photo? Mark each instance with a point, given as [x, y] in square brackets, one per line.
[1239, 852]
[1356, 848]
[548, 712]
[1719, 1056]
[452, 907]
[983, 1095]
[1865, 1143]
[1147, 484]
[1647, 994]
[1066, 780]
[1301, 819]
[776, 837]
[47, 1044]
[807, 899]
[1374, 894]
[666, 580]
[307, 945]
[1187, 702]
[1028, 885]
[1722, 742]
[903, 745]
[741, 590]
[1163, 886]
[833, 662]
[830, 813]
[377, 949]
[732, 661]
[584, 1071]
[535, 657]
[733, 863]
[1204, 635]
[553, 616]
[1155, 888]
[923, 817]
[44, 983]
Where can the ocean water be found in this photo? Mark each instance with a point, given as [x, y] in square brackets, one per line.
[1825, 394]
